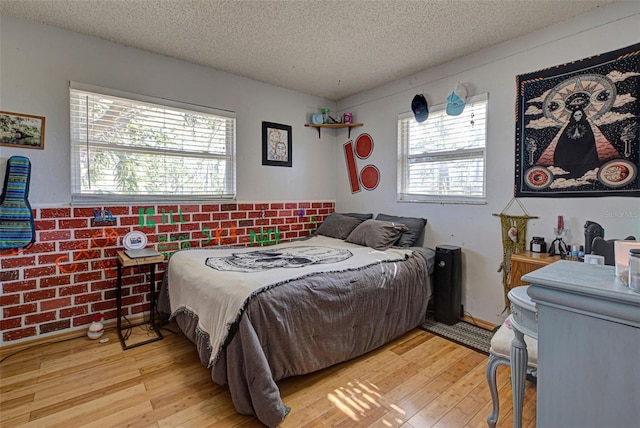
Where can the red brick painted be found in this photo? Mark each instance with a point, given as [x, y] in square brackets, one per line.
[39, 272]
[48, 305]
[9, 299]
[276, 206]
[74, 311]
[83, 320]
[15, 262]
[9, 275]
[55, 213]
[39, 318]
[45, 224]
[220, 216]
[33, 296]
[84, 212]
[129, 221]
[55, 326]
[75, 289]
[55, 281]
[58, 235]
[291, 205]
[6, 324]
[10, 335]
[17, 286]
[14, 311]
[75, 223]
[119, 211]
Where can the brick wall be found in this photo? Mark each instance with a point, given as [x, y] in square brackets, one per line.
[69, 273]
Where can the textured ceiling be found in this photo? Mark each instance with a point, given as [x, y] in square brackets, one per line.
[331, 49]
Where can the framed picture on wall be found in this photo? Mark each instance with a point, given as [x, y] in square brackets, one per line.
[276, 144]
[21, 130]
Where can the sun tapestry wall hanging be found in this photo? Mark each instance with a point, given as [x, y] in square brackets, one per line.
[577, 128]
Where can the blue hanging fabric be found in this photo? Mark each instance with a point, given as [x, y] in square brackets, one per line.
[17, 229]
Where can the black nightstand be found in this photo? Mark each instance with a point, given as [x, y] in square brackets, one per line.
[123, 262]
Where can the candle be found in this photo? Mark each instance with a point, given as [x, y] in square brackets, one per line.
[560, 222]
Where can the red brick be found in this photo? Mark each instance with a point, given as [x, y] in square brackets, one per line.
[103, 306]
[39, 272]
[296, 226]
[324, 211]
[6, 324]
[74, 223]
[220, 216]
[56, 235]
[131, 300]
[9, 275]
[74, 311]
[88, 254]
[55, 326]
[168, 228]
[200, 217]
[87, 276]
[277, 206]
[39, 318]
[14, 262]
[9, 299]
[245, 223]
[14, 311]
[82, 320]
[83, 212]
[48, 305]
[120, 210]
[239, 215]
[87, 298]
[33, 296]
[74, 289]
[12, 287]
[271, 213]
[275, 221]
[291, 220]
[304, 205]
[130, 221]
[73, 245]
[210, 208]
[102, 285]
[10, 335]
[49, 259]
[287, 213]
[228, 207]
[262, 222]
[316, 204]
[54, 281]
[189, 226]
[311, 212]
[45, 224]
[55, 212]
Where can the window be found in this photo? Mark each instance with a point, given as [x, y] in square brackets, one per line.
[127, 147]
[443, 158]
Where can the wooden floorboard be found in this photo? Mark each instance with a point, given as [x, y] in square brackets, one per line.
[417, 381]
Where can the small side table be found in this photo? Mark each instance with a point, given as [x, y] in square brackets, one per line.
[126, 261]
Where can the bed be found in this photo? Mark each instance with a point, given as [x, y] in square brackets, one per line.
[258, 315]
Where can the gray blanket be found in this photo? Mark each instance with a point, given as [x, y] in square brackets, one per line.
[310, 324]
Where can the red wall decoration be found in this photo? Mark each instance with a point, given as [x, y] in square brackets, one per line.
[369, 176]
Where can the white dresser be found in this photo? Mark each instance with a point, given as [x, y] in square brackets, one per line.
[588, 347]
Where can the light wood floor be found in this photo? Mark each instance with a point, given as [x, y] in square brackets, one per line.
[417, 381]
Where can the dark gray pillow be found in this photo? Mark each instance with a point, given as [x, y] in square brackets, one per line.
[361, 216]
[415, 226]
[376, 234]
[338, 226]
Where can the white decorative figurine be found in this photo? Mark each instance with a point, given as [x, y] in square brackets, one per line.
[96, 329]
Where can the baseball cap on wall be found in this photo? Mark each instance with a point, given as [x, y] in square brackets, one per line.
[456, 100]
[420, 108]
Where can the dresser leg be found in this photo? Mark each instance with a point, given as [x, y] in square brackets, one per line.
[519, 359]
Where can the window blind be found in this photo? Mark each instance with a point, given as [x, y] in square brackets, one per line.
[443, 158]
[132, 147]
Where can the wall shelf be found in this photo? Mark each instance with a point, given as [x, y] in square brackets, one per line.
[333, 125]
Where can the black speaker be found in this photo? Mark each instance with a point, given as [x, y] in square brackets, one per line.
[448, 284]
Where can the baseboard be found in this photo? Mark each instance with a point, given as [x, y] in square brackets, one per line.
[76, 333]
[480, 323]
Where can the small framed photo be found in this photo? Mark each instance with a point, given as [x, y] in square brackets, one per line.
[21, 130]
[276, 144]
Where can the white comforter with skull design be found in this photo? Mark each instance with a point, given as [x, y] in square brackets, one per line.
[216, 284]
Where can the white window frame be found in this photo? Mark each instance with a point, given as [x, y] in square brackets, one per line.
[79, 197]
[404, 158]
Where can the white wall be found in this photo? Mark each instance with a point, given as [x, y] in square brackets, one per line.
[37, 62]
[494, 70]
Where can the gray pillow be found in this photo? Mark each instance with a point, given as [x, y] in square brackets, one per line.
[415, 226]
[338, 226]
[376, 234]
[361, 216]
